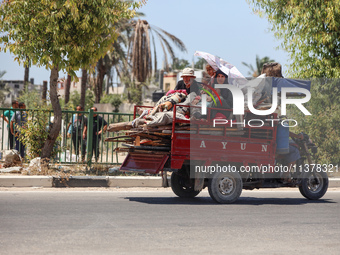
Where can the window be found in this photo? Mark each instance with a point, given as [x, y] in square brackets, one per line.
[17, 86]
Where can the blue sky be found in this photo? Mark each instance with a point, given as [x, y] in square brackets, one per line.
[225, 28]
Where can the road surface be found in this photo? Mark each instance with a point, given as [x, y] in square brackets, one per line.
[154, 221]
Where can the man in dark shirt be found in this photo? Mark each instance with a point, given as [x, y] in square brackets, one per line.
[77, 127]
[188, 83]
[99, 126]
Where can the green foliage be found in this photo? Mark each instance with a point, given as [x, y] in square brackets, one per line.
[32, 99]
[179, 64]
[310, 34]
[67, 34]
[113, 99]
[63, 35]
[36, 131]
[38, 120]
[200, 63]
[259, 65]
[136, 95]
[323, 125]
[75, 100]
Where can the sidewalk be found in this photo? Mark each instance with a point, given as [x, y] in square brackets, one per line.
[95, 181]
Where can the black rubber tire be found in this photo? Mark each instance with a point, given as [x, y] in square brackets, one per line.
[225, 188]
[310, 190]
[182, 186]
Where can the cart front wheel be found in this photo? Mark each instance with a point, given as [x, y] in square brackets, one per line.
[312, 187]
[225, 188]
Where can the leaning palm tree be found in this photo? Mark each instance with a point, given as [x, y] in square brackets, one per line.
[259, 64]
[141, 47]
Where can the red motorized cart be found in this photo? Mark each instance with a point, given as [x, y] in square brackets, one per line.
[224, 155]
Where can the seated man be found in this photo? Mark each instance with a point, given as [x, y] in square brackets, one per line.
[188, 83]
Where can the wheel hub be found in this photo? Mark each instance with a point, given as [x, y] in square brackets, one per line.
[226, 185]
[314, 185]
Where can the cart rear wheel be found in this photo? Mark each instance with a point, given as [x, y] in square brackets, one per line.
[313, 188]
[225, 188]
[182, 185]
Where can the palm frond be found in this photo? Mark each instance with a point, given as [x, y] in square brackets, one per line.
[154, 52]
[168, 46]
[164, 52]
[180, 45]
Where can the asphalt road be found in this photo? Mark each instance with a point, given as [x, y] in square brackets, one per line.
[154, 221]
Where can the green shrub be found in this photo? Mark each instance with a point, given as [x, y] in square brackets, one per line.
[36, 130]
[113, 99]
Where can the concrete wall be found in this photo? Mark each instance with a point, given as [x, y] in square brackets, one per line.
[123, 108]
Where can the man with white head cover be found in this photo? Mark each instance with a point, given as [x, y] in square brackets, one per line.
[188, 83]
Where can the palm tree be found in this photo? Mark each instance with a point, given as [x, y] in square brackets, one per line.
[259, 64]
[136, 65]
[180, 64]
[141, 48]
[114, 57]
[99, 79]
[44, 91]
[67, 88]
[27, 71]
[83, 88]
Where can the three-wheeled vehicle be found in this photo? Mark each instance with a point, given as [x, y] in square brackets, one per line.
[225, 158]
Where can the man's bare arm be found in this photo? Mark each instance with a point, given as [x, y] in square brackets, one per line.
[11, 126]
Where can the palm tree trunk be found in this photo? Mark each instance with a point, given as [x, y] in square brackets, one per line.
[108, 81]
[67, 89]
[26, 77]
[44, 91]
[55, 130]
[99, 81]
[83, 88]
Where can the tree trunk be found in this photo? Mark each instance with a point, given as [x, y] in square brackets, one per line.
[55, 130]
[26, 77]
[44, 90]
[108, 81]
[83, 88]
[67, 89]
[99, 81]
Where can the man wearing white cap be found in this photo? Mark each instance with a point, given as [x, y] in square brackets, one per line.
[188, 83]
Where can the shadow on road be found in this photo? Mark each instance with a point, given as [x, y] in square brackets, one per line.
[173, 200]
[240, 201]
[280, 201]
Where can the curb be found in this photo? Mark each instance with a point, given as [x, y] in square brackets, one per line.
[26, 181]
[95, 181]
[80, 181]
